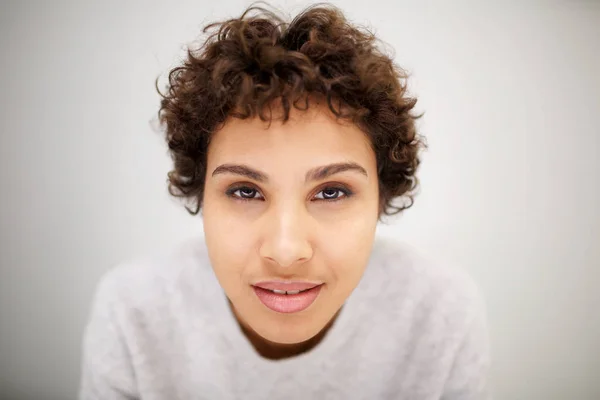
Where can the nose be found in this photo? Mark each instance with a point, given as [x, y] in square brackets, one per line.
[286, 241]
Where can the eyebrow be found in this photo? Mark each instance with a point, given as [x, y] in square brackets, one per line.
[315, 174]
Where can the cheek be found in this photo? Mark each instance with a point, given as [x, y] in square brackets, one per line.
[347, 244]
[229, 239]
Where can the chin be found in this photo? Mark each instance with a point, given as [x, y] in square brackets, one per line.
[282, 329]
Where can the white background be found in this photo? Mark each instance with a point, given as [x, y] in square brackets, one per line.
[510, 183]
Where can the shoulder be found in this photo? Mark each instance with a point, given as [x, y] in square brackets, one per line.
[427, 286]
[146, 281]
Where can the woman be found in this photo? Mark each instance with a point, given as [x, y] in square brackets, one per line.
[292, 140]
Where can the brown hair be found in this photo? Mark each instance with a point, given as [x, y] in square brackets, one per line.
[250, 62]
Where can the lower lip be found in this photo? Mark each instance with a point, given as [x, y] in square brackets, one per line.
[287, 303]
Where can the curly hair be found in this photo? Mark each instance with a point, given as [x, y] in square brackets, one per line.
[249, 63]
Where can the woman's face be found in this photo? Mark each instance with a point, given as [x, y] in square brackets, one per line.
[290, 207]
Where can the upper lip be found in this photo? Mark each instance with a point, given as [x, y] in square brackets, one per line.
[286, 285]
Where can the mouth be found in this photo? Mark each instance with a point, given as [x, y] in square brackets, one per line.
[287, 298]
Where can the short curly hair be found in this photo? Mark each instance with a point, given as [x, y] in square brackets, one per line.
[249, 63]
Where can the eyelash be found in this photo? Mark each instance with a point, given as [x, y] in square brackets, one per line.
[347, 193]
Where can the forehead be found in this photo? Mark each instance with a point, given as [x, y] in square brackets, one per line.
[307, 138]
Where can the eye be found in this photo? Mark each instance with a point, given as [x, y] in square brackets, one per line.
[333, 194]
[328, 194]
[245, 193]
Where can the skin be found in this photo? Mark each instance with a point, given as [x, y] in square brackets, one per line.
[266, 221]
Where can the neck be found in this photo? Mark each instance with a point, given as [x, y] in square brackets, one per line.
[277, 351]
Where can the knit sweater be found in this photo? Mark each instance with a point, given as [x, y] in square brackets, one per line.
[161, 328]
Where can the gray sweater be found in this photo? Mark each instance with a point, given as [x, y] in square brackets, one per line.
[161, 328]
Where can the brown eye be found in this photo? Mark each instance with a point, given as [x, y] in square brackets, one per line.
[244, 193]
[333, 194]
[247, 193]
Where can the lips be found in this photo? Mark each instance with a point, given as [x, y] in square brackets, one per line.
[287, 297]
[286, 286]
